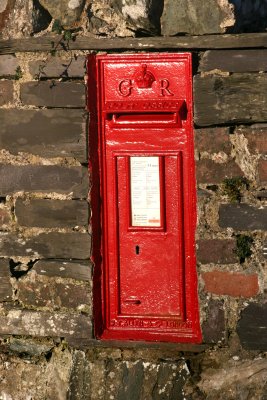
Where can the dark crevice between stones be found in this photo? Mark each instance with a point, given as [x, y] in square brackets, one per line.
[139, 33]
[226, 124]
[155, 13]
[213, 188]
[40, 17]
[250, 16]
[17, 269]
[195, 62]
[243, 247]
[48, 355]
[232, 129]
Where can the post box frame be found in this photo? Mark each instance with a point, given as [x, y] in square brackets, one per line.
[135, 328]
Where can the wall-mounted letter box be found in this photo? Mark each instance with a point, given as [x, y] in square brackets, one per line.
[143, 197]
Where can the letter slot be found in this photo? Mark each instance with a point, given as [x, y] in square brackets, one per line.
[143, 197]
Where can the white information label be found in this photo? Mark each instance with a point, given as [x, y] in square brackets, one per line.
[145, 191]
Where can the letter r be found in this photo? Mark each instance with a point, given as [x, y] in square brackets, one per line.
[164, 88]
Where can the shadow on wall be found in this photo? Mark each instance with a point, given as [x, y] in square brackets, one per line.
[250, 15]
[155, 12]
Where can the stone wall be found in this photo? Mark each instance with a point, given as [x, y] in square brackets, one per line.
[47, 347]
[111, 18]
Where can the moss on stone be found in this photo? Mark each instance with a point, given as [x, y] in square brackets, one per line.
[233, 187]
[243, 247]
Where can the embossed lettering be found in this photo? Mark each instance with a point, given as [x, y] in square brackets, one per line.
[125, 87]
[164, 88]
[146, 323]
[140, 105]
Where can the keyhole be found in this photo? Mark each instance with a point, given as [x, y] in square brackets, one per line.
[137, 250]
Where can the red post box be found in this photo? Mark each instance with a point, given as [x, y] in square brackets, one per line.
[143, 197]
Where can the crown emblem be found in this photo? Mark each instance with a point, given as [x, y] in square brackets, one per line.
[144, 78]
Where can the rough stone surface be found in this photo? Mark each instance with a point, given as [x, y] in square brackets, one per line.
[39, 178]
[6, 92]
[218, 251]
[129, 380]
[243, 379]
[196, 17]
[48, 133]
[36, 323]
[52, 213]
[67, 12]
[208, 171]
[5, 8]
[213, 329]
[234, 60]
[23, 379]
[17, 19]
[144, 15]
[263, 171]
[5, 218]
[5, 286]
[252, 327]
[256, 138]
[80, 379]
[8, 65]
[58, 371]
[54, 67]
[14, 371]
[237, 98]
[243, 217]
[73, 245]
[213, 140]
[261, 194]
[231, 284]
[29, 347]
[125, 17]
[64, 269]
[53, 94]
[40, 291]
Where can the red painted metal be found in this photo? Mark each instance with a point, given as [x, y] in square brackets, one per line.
[140, 134]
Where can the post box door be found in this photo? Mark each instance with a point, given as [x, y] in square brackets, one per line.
[146, 174]
[150, 268]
